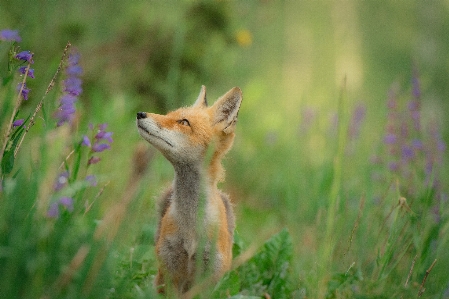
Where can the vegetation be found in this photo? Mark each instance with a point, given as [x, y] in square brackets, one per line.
[338, 173]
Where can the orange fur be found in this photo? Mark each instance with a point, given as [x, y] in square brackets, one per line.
[183, 137]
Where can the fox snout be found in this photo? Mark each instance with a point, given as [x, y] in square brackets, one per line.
[141, 115]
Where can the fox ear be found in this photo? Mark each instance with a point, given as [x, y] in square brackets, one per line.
[226, 109]
[201, 101]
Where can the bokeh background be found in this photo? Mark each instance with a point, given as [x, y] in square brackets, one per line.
[317, 78]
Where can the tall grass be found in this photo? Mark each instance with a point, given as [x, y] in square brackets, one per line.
[325, 207]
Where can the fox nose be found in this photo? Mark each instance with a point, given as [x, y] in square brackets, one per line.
[141, 115]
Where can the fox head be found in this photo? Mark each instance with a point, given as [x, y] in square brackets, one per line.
[183, 135]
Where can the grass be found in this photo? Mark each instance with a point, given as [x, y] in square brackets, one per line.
[322, 209]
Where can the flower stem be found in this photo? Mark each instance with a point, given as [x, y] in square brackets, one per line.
[16, 108]
[41, 103]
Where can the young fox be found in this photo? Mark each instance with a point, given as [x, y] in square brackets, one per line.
[196, 224]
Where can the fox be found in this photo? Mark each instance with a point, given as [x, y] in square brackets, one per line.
[196, 220]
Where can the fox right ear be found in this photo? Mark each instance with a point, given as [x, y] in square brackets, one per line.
[201, 101]
[226, 109]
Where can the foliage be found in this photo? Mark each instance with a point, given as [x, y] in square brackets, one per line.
[355, 187]
[267, 272]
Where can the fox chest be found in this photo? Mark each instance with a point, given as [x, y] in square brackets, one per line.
[179, 248]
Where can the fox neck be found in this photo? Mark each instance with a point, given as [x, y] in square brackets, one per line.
[187, 194]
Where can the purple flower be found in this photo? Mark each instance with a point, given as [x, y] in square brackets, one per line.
[414, 107]
[441, 146]
[356, 121]
[61, 181]
[407, 152]
[394, 166]
[74, 58]
[64, 116]
[390, 138]
[104, 135]
[67, 202]
[68, 99]
[93, 160]
[23, 69]
[25, 90]
[18, 122]
[102, 127]
[99, 147]
[9, 35]
[417, 144]
[53, 210]
[74, 70]
[86, 141]
[71, 87]
[92, 180]
[25, 56]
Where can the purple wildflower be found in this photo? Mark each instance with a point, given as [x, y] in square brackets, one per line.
[74, 59]
[71, 88]
[25, 56]
[92, 180]
[18, 122]
[23, 69]
[67, 202]
[98, 141]
[100, 136]
[102, 127]
[390, 138]
[53, 210]
[24, 90]
[64, 116]
[61, 181]
[68, 99]
[441, 145]
[411, 153]
[74, 70]
[407, 153]
[86, 141]
[9, 35]
[93, 160]
[415, 84]
[356, 121]
[417, 144]
[393, 166]
[99, 147]
[104, 135]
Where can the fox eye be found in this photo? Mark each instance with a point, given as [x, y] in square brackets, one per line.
[184, 122]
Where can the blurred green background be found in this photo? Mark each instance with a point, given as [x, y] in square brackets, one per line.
[301, 65]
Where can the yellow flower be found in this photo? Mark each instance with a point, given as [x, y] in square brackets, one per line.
[244, 38]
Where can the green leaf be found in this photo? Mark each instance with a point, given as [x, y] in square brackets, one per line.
[77, 162]
[8, 156]
[8, 161]
[227, 286]
[268, 271]
[238, 244]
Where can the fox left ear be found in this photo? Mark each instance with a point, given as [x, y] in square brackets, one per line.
[201, 101]
[226, 109]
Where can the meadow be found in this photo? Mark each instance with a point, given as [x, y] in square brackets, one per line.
[337, 175]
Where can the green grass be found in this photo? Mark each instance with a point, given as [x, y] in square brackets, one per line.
[319, 212]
